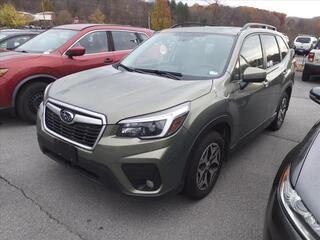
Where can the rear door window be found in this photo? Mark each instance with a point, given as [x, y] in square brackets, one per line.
[123, 40]
[283, 47]
[271, 49]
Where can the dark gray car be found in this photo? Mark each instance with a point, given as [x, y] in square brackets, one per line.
[163, 119]
[293, 211]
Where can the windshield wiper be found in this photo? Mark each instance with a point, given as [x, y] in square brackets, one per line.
[173, 75]
[130, 69]
[22, 51]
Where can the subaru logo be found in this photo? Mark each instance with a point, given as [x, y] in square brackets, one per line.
[66, 116]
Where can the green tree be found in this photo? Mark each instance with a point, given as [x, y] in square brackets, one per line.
[9, 17]
[97, 17]
[47, 6]
[160, 15]
[173, 8]
[182, 12]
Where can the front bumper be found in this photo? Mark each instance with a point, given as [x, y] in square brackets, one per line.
[302, 50]
[165, 159]
[6, 92]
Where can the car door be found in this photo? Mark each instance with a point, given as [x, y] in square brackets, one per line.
[276, 71]
[98, 53]
[248, 103]
[124, 42]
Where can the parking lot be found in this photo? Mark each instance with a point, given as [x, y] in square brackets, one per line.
[41, 199]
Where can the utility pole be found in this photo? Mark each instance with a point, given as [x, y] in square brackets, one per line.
[44, 16]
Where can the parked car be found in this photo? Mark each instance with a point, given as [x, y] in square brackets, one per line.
[165, 117]
[293, 211]
[60, 51]
[303, 44]
[11, 39]
[312, 64]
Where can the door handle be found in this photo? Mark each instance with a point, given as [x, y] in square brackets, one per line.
[108, 60]
[266, 83]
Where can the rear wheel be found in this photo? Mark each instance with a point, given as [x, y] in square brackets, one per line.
[281, 113]
[29, 100]
[205, 166]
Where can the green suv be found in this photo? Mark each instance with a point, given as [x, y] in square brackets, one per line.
[164, 119]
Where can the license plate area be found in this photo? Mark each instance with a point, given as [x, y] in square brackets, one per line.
[65, 151]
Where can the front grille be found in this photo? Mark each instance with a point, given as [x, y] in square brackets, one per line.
[82, 133]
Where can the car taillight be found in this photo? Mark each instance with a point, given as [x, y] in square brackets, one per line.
[310, 57]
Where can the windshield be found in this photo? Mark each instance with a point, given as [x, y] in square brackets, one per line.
[48, 41]
[193, 55]
[303, 40]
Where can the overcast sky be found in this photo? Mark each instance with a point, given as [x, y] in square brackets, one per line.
[297, 8]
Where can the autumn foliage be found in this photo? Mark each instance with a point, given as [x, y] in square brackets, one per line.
[161, 15]
[10, 17]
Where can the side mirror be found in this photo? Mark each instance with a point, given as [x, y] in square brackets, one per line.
[315, 94]
[253, 74]
[75, 52]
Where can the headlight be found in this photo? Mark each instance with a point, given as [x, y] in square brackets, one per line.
[46, 91]
[3, 71]
[155, 125]
[295, 207]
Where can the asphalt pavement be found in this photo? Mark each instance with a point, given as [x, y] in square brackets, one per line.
[41, 199]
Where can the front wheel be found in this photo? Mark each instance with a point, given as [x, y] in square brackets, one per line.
[29, 100]
[205, 166]
[281, 113]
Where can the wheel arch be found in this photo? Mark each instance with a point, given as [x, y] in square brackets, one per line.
[222, 125]
[35, 78]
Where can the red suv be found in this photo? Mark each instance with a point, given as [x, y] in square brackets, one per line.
[60, 51]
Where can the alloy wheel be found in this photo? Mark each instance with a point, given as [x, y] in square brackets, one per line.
[35, 102]
[282, 110]
[208, 166]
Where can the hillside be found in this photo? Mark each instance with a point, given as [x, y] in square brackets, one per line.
[135, 12]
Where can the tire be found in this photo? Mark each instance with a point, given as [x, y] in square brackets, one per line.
[281, 113]
[198, 186]
[29, 100]
[305, 74]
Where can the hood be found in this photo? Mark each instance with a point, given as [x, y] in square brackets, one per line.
[10, 56]
[120, 95]
[308, 182]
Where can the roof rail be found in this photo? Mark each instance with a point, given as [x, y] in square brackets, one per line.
[191, 24]
[258, 25]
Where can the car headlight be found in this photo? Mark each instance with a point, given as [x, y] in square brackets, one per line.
[157, 125]
[295, 207]
[3, 71]
[46, 92]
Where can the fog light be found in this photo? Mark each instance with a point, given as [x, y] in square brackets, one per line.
[142, 176]
[150, 184]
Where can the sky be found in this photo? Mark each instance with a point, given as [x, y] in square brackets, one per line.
[295, 8]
